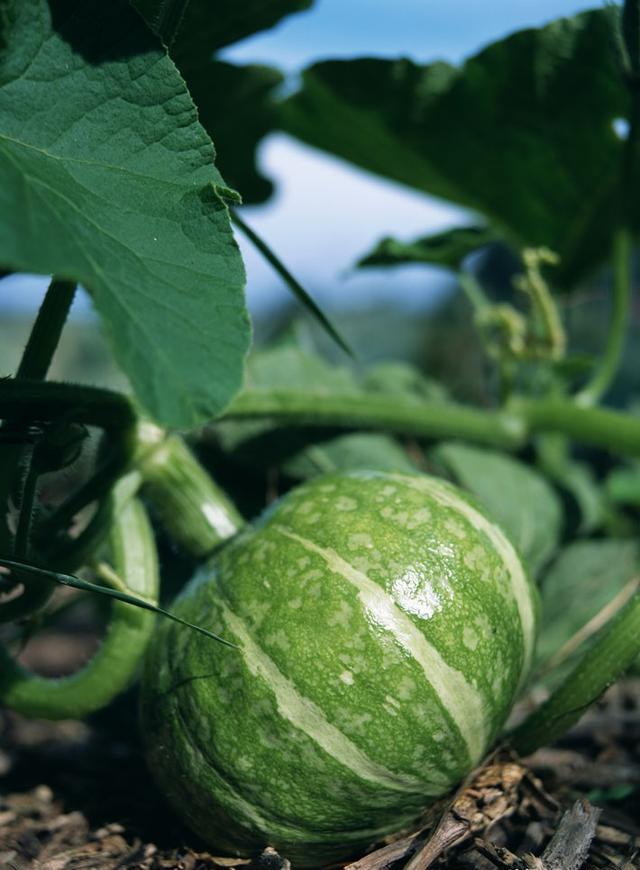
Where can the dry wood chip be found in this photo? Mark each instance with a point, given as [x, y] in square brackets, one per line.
[569, 846]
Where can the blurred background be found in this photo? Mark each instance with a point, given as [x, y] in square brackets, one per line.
[324, 213]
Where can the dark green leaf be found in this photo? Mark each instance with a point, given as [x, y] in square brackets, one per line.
[208, 25]
[631, 34]
[107, 178]
[447, 249]
[575, 478]
[523, 132]
[517, 497]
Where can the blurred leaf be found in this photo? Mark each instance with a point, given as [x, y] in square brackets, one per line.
[579, 481]
[517, 497]
[360, 450]
[623, 485]
[284, 367]
[586, 576]
[523, 132]
[401, 378]
[447, 249]
[107, 178]
[236, 108]
[287, 370]
[575, 478]
[209, 25]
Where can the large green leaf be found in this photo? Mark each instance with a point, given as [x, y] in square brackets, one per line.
[107, 178]
[447, 249]
[201, 27]
[523, 132]
[515, 495]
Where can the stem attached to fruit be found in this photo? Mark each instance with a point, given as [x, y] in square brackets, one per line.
[193, 509]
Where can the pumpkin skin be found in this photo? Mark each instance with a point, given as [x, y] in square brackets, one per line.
[384, 627]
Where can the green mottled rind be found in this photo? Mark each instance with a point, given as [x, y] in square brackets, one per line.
[323, 732]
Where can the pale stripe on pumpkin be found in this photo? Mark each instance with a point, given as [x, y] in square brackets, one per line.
[504, 548]
[258, 816]
[461, 700]
[303, 714]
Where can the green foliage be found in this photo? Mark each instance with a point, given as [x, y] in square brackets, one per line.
[235, 104]
[522, 133]
[447, 249]
[107, 178]
[516, 496]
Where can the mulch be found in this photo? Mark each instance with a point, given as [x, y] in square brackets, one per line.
[77, 795]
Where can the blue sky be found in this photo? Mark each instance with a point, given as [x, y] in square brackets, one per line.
[325, 213]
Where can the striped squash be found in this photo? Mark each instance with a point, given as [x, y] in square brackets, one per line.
[383, 627]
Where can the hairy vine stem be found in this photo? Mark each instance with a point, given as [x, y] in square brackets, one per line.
[34, 365]
[507, 428]
[45, 334]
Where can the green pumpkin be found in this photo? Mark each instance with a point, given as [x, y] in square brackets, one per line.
[383, 628]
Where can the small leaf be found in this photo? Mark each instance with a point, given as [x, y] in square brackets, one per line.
[447, 249]
[517, 497]
[107, 178]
